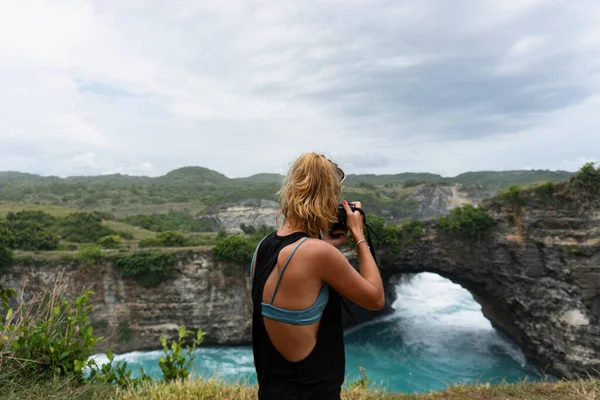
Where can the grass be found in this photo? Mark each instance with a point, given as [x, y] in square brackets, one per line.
[31, 388]
[137, 232]
[122, 210]
[216, 390]
[57, 211]
[212, 389]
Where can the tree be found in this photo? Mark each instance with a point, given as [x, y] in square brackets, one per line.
[32, 230]
[7, 242]
[82, 227]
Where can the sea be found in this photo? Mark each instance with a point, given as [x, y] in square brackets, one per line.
[436, 337]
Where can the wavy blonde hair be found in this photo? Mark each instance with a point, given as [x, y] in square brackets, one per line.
[310, 193]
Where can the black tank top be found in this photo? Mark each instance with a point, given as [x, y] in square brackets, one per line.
[321, 374]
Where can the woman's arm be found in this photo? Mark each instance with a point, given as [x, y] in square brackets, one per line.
[364, 288]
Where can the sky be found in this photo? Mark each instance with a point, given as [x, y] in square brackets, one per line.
[142, 87]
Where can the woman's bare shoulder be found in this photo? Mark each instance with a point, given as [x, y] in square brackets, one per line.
[317, 248]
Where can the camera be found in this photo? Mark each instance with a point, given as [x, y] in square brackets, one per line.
[340, 225]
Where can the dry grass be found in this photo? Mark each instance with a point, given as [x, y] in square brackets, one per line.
[57, 211]
[213, 389]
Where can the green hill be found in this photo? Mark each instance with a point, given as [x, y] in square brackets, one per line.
[196, 188]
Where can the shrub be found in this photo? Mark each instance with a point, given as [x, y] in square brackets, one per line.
[117, 374]
[172, 239]
[468, 221]
[175, 364]
[125, 235]
[545, 190]
[100, 324]
[82, 227]
[149, 242]
[398, 236]
[222, 234]
[234, 249]
[32, 230]
[90, 253]
[166, 239]
[110, 242]
[248, 229]
[50, 335]
[587, 179]
[514, 196]
[149, 269]
[362, 382]
[413, 183]
[124, 332]
[7, 242]
[395, 236]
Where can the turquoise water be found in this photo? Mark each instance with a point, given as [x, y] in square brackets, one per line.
[437, 336]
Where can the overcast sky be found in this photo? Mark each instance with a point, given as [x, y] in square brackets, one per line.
[382, 86]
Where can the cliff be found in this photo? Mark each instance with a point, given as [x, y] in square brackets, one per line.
[432, 200]
[536, 274]
[132, 317]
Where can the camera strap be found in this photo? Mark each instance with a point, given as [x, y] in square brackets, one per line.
[372, 250]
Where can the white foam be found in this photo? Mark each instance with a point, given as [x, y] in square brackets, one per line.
[434, 311]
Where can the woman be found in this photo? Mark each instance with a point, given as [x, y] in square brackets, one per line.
[298, 278]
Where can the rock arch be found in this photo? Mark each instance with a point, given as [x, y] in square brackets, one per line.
[536, 275]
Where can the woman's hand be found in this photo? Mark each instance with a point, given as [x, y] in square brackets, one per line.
[354, 221]
[336, 241]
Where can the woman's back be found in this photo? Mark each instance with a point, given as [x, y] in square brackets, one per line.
[319, 374]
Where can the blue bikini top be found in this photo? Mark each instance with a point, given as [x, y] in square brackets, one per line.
[295, 317]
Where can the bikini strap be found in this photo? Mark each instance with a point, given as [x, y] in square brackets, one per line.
[284, 267]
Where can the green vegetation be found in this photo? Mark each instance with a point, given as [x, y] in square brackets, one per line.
[166, 239]
[128, 232]
[174, 364]
[587, 179]
[395, 237]
[50, 339]
[544, 190]
[124, 332]
[47, 344]
[82, 227]
[100, 324]
[362, 382]
[468, 221]
[7, 243]
[189, 190]
[149, 269]
[32, 230]
[235, 252]
[47, 336]
[513, 195]
[413, 183]
[89, 254]
[171, 221]
[110, 242]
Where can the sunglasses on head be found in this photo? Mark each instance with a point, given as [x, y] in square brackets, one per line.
[338, 169]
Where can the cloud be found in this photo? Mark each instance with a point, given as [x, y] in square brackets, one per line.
[142, 87]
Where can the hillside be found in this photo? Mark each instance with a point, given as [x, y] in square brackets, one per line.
[195, 189]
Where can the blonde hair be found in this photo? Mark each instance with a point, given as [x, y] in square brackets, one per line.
[310, 193]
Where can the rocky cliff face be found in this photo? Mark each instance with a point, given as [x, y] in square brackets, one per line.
[433, 200]
[536, 275]
[198, 296]
[252, 212]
